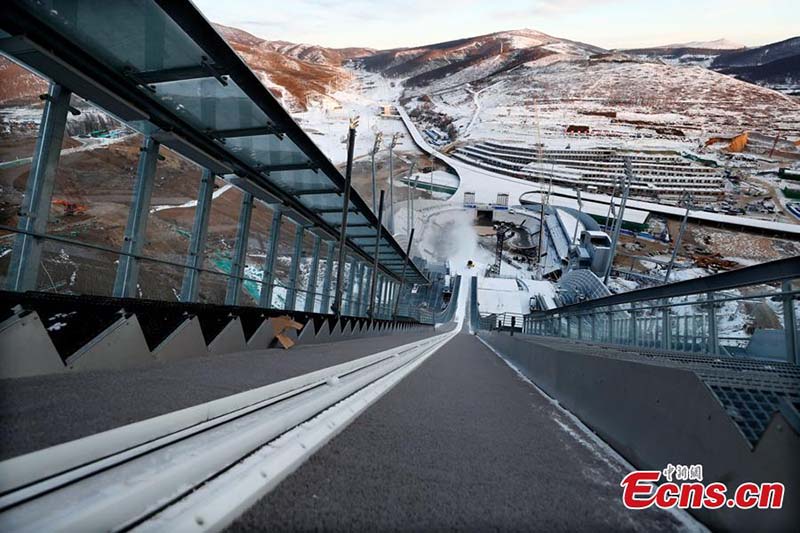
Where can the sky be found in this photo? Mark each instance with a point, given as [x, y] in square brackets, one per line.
[386, 24]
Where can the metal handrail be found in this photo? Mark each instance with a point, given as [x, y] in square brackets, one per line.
[384, 309]
[771, 272]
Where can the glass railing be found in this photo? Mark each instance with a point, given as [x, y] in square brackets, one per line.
[749, 313]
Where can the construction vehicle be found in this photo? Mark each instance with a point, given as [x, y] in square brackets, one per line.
[70, 208]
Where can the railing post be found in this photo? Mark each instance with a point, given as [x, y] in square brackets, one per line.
[610, 315]
[666, 329]
[633, 333]
[127, 276]
[364, 293]
[240, 251]
[294, 269]
[23, 271]
[268, 277]
[790, 324]
[326, 281]
[713, 338]
[355, 296]
[190, 288]
[350, 284]
[594, 326]
[311, 294]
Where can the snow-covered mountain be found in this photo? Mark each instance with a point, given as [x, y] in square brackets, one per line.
[472, 58]
[298, 74]
[775, 65]
[717, 44]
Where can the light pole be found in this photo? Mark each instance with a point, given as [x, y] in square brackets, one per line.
[687, 197]
[351, 141]
[620, 214]
[410, 202]
[375, 148]
[542, 214]
[580, 209]
[392, 144]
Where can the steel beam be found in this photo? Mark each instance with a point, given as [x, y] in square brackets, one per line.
[190, 287]
[288, 167]
[234, 287]
[326, 280]
[336, 210]
[311, 293]
[23, 270]
[171, 74]
[268, 277]
[127, 276]
[297, 255]
[244, 132]
[312, 192]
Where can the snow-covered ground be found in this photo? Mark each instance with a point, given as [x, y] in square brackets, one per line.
[326, 122]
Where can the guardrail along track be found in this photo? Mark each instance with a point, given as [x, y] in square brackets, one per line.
[130, 476]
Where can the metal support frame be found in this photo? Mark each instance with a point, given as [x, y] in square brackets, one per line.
[375, 265]
[23, 271]
[234, 286]
[190, 288]
[326, 280]
[127, 276]
[790, 324]
[268, 277]
[351, 140]
[294, 269]
[311, 295]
